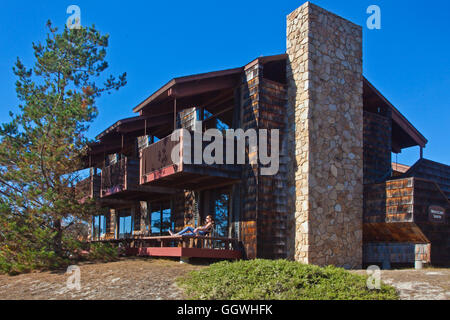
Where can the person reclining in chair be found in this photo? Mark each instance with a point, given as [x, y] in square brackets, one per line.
[201, 231]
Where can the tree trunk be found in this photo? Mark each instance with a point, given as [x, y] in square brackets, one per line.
[57, 240]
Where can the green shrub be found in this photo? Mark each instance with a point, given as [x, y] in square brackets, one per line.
[103, 252]
[278, 280]
[26, 246]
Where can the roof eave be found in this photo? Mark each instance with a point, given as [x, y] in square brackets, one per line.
[172, 83]
[400, 119]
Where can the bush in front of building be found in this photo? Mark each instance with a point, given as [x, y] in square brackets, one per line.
[104, 252]
[279, 280]
[18, 255]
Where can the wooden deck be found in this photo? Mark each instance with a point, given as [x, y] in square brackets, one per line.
[180, 246]
[183, 252]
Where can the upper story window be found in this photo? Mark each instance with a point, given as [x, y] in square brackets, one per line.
[211, 120]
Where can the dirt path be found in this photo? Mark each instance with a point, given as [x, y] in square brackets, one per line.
[154, 279]
[425, 284]
[146, 279]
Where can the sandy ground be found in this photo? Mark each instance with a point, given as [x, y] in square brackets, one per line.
[154, 279]
[146, 279]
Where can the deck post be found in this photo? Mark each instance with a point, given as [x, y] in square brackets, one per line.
[175, 114]
[418, 264]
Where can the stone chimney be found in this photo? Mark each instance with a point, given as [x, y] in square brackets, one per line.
[325, 103]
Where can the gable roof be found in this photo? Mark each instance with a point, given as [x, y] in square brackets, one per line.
[202, 83]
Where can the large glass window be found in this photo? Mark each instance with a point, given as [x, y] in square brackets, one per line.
[221, 213]
[98, 226]
[125, 226]
[216, 202]
[155, 220]
[160, 218]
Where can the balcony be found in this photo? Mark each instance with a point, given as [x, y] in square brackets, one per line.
[89, 188]
[159, 169]
[121, 181]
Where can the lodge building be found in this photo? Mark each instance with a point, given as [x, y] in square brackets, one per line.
[336, 199]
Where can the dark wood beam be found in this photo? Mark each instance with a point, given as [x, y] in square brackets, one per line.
[149, 123]
[174, 114]
[203, 86]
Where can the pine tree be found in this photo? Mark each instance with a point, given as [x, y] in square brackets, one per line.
[41, 147]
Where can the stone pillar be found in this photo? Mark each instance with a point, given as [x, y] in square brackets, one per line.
[144, 217]
[325, 87]
[113, 224]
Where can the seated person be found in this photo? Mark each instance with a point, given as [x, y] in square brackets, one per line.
[201, 231]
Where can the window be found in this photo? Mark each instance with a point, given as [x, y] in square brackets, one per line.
[211, 120]
[217, 202]
[125, 223]
[98, 226]
[160, 218]
[221, 213]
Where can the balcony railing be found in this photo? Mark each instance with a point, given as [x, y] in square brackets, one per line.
[120, 176]
[159, 169]
[120, 181]
[89, 188]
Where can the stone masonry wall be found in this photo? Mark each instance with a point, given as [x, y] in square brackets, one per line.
[325, 85]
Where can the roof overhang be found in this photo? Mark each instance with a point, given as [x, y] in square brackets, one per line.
[203, 83]
[401, 168]
[192, 85]
[266, 59]
[410, 136]
[135, 125]
[122, 132]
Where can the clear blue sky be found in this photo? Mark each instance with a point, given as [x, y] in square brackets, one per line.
[408, 60]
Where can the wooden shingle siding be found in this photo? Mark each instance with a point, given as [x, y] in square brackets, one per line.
[377, 147]
[434, 171]
[398, 211]
[186, 118]
[182, 209]
[264, 198]
[391, 201]
[427, 193]
[273, 231]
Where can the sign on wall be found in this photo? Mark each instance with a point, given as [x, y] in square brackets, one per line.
[436, 214]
